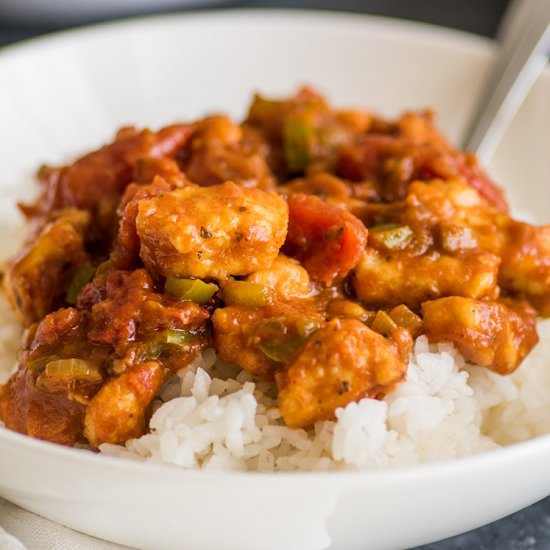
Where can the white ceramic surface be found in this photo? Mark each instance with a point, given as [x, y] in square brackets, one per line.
[63, 95]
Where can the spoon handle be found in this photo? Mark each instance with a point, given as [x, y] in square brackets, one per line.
[523, 35]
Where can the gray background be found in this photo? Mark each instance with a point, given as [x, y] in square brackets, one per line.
[530, 528]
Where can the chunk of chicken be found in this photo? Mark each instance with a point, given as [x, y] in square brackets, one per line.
[259, 340]
[211, 232]
[494, 335]
[220, 152]
[286, 277]
[525, 268]
[120, 410]
[125, 253]
[36, 280]
[342, 362]
[460, 218]
[389, 279]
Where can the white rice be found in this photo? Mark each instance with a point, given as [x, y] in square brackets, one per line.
[214, 416]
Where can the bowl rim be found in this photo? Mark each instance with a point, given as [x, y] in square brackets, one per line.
[419, 31]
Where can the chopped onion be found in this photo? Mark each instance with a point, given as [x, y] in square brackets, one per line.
[244, 293]
[389, 235]
[190, 289]
[60, 373]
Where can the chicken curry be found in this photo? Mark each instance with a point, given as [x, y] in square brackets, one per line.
[307, 245]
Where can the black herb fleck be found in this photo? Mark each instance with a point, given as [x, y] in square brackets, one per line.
[205, 234]
[344, 387]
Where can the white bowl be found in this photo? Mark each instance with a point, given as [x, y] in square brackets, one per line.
[63, 95]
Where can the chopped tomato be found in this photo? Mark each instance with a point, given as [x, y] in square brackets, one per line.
[326, 239]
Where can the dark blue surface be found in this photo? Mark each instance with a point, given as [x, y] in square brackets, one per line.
[530, 528]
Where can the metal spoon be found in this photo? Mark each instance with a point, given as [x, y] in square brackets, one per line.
[524, 37]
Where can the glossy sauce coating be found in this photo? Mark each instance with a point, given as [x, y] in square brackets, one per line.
[308, 245]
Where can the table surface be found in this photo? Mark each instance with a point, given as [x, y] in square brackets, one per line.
[528, 529]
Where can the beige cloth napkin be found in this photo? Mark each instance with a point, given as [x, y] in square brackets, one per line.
[22, 530]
